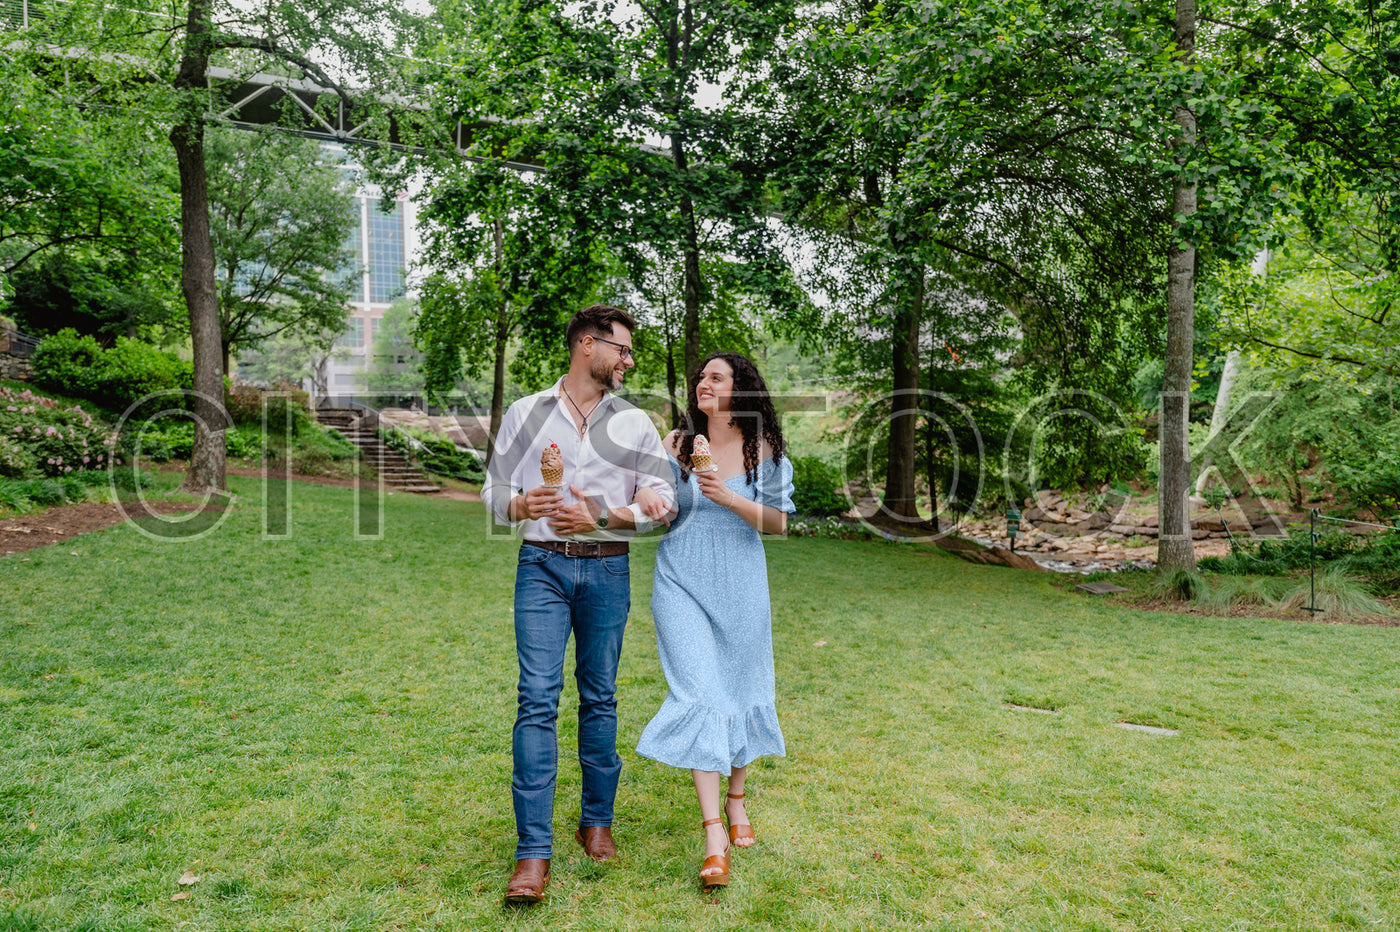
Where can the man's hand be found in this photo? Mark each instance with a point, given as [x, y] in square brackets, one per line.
[543, 502]
[578, 518]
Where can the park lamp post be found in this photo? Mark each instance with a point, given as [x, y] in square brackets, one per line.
[1013, 526]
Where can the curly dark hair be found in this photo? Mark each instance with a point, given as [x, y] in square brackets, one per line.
[751, 399]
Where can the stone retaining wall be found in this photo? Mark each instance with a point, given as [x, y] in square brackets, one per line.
[15, 352]
[1051, 523]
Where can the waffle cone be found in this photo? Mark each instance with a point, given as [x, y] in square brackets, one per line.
[552, 477]
[702, 463]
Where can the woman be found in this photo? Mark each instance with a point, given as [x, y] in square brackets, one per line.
[710, 599]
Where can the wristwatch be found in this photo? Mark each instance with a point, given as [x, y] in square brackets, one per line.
[603, 520]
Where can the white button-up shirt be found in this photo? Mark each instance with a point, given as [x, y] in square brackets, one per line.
[619, 453]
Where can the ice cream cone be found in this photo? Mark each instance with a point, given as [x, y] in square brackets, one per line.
[700, 458]
[552, 467]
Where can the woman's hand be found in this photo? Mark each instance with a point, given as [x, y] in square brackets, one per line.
[714, 489]
[652, 505]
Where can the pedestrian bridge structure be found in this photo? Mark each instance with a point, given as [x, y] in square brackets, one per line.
[252, 99]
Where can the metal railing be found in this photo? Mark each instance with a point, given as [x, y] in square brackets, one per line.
[1315, 516]
[18, 344]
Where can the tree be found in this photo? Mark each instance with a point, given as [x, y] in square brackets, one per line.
[961, 139]
[396, 364]
[508, 263]
[159, 63]
[611, 106]
[86, 204]
[281, 218]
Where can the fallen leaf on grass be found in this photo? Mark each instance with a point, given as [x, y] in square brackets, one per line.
[819, 644]
[180, 896]
[188, 879]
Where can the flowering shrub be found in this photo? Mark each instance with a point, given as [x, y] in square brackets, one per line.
[43, 437]
[831, 528]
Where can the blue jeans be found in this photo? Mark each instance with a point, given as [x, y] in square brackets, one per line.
[556, 595]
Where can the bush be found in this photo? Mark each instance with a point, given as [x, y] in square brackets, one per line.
[114, 378]
[172, 438]
[44, 437]
[817, 488]
[21, 495]
[69, 363]
[135, 370]
[245, 405]
[435, 453]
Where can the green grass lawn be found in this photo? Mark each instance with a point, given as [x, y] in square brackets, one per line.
[318, 728]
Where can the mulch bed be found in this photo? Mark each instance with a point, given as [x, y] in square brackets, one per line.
[29, 532]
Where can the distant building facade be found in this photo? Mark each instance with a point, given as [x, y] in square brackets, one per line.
[385, 245]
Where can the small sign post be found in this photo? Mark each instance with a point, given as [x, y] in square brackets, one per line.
[1013, 526]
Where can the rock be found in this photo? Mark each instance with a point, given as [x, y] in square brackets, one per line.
[1098, 521]
[1199, 533]
[1122, 530]
[1150, 521]
[1003, 557]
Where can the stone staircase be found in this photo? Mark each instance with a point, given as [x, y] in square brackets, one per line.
[398, 473]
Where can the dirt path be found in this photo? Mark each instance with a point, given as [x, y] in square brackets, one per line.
[21, 533]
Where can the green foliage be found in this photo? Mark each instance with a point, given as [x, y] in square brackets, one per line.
[829, 528]
[26, 495]
[1180, 585]
[1326, 430]
[1339, 595]
[396, 364]
[281, 219]
[318, 451]
[286, 407]
[106, 298]
[435, 453]
[817, 488]
[43, 437]
[1375, 558]
[113, 378]
[173, 438]
[86, 181]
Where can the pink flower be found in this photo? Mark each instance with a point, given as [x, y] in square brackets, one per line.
[67, 468]
[85, 459]
[11, 408]
[51, 432]
[51, 462]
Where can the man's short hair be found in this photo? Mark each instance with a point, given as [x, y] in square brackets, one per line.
[597, 321]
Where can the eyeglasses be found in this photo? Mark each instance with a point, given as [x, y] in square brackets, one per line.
[622, 350]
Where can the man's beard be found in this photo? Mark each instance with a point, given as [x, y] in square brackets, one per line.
[605, 375]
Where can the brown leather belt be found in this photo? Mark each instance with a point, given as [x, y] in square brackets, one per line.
[581, 548]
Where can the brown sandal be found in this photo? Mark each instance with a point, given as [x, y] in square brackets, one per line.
[740, 831]
[711, 881]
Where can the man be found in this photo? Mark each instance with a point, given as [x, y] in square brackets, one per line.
[572, 576]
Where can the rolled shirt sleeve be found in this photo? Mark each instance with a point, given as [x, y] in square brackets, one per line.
[501, 485]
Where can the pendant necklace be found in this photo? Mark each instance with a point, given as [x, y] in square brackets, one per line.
[584, 429]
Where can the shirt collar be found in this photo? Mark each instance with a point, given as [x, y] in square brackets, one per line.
[557, 395]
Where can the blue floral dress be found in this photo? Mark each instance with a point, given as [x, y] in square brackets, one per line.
[714, 630]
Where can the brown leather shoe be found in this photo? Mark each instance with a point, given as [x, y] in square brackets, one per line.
[597, 842]
[527, 884]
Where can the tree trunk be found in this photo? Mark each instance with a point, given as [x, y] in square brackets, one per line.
[207, 460]
[930, 448]
[903, 463]
[691, 287]
[1174, 549]
[498, 381]
[671, 386]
